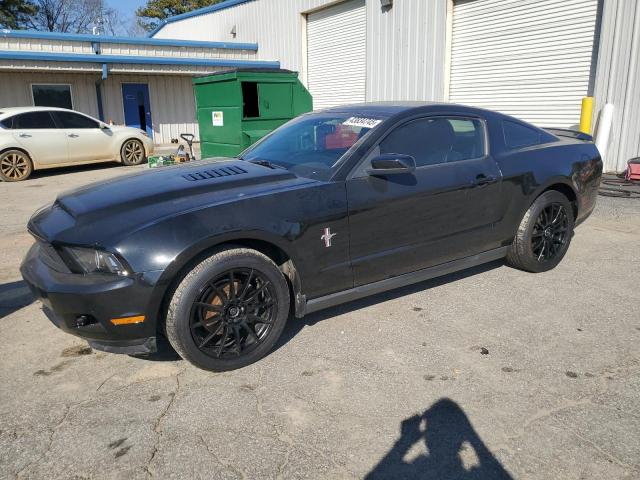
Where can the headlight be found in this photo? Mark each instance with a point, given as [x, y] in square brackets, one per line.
[89, 260]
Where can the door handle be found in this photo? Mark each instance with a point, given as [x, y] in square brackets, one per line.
[483, 180]
[25, 135]
[73, 135]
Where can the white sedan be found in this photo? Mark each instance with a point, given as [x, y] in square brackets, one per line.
[34, 138]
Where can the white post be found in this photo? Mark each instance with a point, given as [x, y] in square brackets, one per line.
[604, 130]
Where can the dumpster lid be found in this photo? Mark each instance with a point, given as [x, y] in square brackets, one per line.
[246, 70]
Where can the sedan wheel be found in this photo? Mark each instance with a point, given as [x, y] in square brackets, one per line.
[229, 311]
[132, 152]
[15, 166]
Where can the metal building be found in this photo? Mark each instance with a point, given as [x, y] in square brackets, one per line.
[141, 82]
[535, 59]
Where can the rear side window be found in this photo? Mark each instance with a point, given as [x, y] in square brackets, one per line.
[517, 135]
[73, 120]
[33, 120]
[437, 140]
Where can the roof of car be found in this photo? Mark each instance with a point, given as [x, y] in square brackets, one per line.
[15, 110]
[387, 109]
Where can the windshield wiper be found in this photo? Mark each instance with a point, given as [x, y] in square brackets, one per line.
[265, 163]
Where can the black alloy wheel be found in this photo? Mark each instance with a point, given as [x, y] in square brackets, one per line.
[544, 234]
[549, 234]
[233, 313]
[229, 310]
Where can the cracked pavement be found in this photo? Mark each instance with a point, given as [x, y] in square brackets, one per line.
[487, 373]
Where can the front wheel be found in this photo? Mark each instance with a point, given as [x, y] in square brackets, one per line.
[132, 152]
[229, 311]
[544, 234]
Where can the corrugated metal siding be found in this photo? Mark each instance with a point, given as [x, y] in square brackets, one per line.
[174, 52]
[171, 96]
[16, 89]
[26, 65]
[405, 44]
[618, 80]
[528, 59]
[82, 47]
[337, 54]
[406, 50]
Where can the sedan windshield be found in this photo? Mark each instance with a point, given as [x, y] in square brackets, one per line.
[311, 145]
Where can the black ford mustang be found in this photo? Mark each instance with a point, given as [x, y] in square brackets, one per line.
[333, 206]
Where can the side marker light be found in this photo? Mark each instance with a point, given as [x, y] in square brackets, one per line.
[127, 320]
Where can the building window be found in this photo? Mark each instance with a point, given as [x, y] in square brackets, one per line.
[52, 95]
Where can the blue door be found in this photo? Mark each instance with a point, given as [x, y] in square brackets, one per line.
[137, 110]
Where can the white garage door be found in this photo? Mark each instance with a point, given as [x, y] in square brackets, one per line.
[336, 54]
[530, 59]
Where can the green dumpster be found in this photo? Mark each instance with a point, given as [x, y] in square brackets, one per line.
[236, 108]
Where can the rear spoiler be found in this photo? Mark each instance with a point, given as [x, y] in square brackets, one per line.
[565, 132]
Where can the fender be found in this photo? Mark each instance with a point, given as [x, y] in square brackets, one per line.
[549, 182]
[556, 180]
[16, 146]
[195, 252]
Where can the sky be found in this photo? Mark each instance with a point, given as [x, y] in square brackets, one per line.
[127, 9]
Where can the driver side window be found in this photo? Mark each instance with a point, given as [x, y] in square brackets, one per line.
[436, 140]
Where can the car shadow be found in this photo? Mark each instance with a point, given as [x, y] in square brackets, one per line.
[449, 447]
[14, 296]
[295, 325]
[53, 172]
[166, 353]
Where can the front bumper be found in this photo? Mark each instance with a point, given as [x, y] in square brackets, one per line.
[149, 146]
[100, 298]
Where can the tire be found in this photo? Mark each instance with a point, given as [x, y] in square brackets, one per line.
[209, 322]
[544, 234]
[132, 152]
[15, 166]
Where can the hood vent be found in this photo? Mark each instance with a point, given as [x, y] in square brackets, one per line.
[214, 173]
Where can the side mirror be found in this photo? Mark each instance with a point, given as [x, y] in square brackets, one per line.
[391, 164]
[104, 126]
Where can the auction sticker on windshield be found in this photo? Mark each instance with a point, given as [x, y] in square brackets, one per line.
[362, 122]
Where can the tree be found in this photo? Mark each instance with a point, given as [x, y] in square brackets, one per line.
[67, 16]
[70, 16]
[151, 15]
[15, 13]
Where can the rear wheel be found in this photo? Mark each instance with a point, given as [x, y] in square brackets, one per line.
[229, 311]
[15, 166]
[132, 152]
[544, 234]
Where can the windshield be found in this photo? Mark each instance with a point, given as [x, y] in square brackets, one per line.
[311, 145]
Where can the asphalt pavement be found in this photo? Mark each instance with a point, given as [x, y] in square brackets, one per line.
[487, 373]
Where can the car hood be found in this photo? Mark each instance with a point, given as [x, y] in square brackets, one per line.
[123, 128]
[101, 212]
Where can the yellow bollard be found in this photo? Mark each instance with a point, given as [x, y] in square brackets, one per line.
[585, 115]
